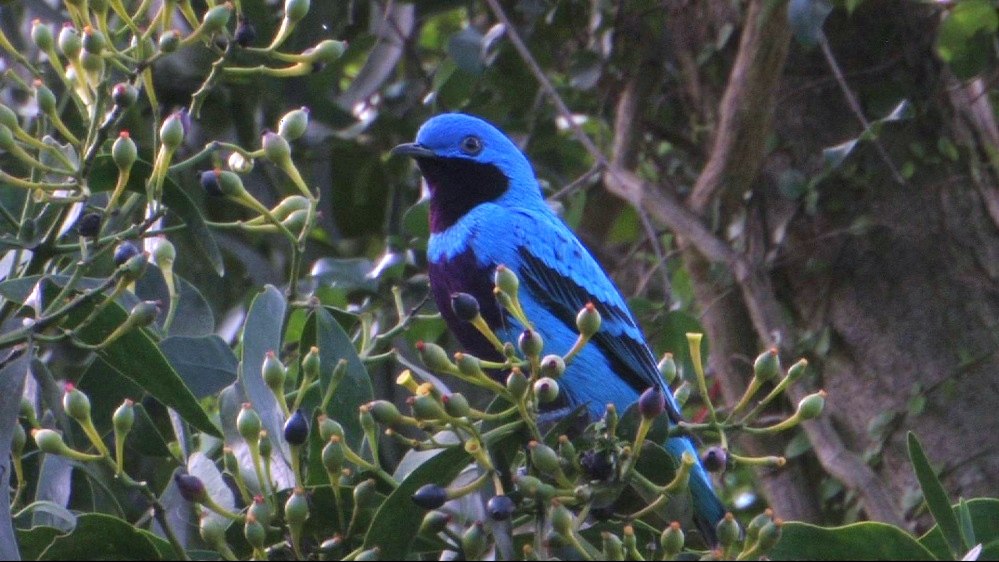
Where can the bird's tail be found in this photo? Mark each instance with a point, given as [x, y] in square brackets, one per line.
[707, 508]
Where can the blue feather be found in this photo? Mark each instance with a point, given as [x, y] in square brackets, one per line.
[487, 209]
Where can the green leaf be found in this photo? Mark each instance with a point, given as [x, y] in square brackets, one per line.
[136, 356]
[11, 388]
[397, 521]
[806, 18]
[262, 333]
[936, 497]
[355, 389]
[982, 514]
[194, 315]
[860, 541]
[206, 364]
[104, 175]
[965, 36]
[35, 540]
[102, 537]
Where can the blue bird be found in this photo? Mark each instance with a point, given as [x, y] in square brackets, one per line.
[487, 209]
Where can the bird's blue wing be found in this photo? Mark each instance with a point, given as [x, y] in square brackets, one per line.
[563, 277]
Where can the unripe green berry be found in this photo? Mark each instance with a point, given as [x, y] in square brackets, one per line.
[296, 509]
[326, 51]
[562, 520]
[667, 368]
[248, 423]
[255, 533]
[757, 523]
[295, 221]
[273, 372]
[671, 540]
[69, 41]
[124, 417]
[516, 383]
[544, 458]
[217, 18]
[474, 541]
[75, 403]
[434, 356]
[295, 10]
[613, 549]
[682, 393]
[456, 405]
[769, 536]
[766, 367]
[365, 493]
[230, 184]
[530, 343]
[426, 408]
[124, 95]
[172, 132]
[333, 455]
[94, 64]
[18, 439]
[545, 390]
[264, 444]
[294, 123]
[469, 365]
[310, 364]
[41, 35]
[812, 405]
[93, 40]
[124, 152]
[506, 280]
[276, 148]
[164, 253]
[552, 366]
[797, 370]
[212, 529]
[434, 522]
[49, 441]
[328, 427]
[143, 313]
[169, 41]
[728, 530]
[588, 320]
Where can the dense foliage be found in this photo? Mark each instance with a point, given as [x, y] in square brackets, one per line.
[160, 405]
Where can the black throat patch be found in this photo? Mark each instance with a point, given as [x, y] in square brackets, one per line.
[457, 186]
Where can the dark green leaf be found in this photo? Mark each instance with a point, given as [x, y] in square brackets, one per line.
[398, 519]
[806, 18]
[206, 364]
[262, 333]
[35, 540]
[193, 317]
[936, 497]
[982, 514]
[965, 37]
[355, 389]
[102, 537]
[12, 375]
[136, 356]
[860, 541]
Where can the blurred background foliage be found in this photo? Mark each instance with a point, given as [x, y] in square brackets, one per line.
[861, 192]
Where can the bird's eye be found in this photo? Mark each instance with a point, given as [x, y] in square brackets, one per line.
[471, 145]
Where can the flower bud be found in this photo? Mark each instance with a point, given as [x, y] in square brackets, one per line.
[124, 94]
[530, 343]
[430, 496]
[613, 549]
[169, 41]
[456, 405]
[124, 417]
[562, 520]
[465, 306]
[506, 280]
[500, 508]
[811, 406]
[516, 383]
[333, 456]
[45, 98]
[588, 320]
[667, 368]
[434, 356]
[474, 541]
[797, 370]
[88, 225]
[545, 390]
[143, 313]
[239, 163]
[75, 403]
[294, 123]
[544, 458]
[124, 252]
[767, 365]
[276, 148]
[69, 41]
[671, 540]
[296, 509]
[296, 429]
[217, 18]
[552, 366]
[245, 34]
[295, 10]
[434, 522]
[93, 40]
[248, 423]
[728, 530]
[326, 51]
[172, 131]
[124, 152]
[652, 403]
[41, 35]
[310, 364]
[191, 487]
[329, 427]
[715, 459]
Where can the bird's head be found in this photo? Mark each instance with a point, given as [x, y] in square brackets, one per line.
[466, 162]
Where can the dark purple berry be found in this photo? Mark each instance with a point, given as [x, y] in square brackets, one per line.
[124, 252]
[89, 225]
[597, 465]
[246, 34]
[191, 488]
[210, 183]
[430, 496]
[296, 429]
[465, 306]
[500, 508]
[715, 459]
[652, 403]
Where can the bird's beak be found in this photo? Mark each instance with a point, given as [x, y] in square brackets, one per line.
[414, 150]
